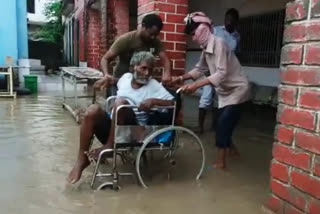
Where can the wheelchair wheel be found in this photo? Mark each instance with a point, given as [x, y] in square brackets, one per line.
[181, 159]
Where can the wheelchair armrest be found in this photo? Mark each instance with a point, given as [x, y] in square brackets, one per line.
[108, 103]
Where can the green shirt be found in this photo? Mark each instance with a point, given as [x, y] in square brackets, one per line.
[128, 44]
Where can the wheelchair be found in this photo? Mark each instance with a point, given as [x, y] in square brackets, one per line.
[165, 138]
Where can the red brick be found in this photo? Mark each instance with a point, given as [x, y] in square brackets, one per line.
[169, 45]
[313, 30]
[279, 171]
[289, 194]
[176, 72]
[284, 134]
[291, 157]
[180, 28]
[288, 209]
[312, 56]
[292, 54]
[176, 55]
[288, 95]
[297, 198]
[175, 37]
[297, 10]
[144, 2]
[316, 170]
[315, 8]
[182, 9]
[296, 117]
[275, 204]
[169, 27]
[146, 8]
[174, 18]
[181, 47]
[161, 36]
[162, 16]
[179, 64]
[308, 141]
[295, 33]
[314, 207]
[306, 183]
[168, 8]
[310, 99]
[301, 76]
[183, 2]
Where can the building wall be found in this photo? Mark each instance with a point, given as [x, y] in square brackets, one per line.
[172, 13]
[22, 30]
[216, 10]
[295, 168]
[8, 30]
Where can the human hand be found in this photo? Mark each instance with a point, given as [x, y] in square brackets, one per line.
[103, 83]
[189, 88]
[146, 105]
[177, 80]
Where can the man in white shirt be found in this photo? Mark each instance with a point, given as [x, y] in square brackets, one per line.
[136, 88]
[231, 37]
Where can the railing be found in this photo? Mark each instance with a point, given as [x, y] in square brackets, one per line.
[261, 39]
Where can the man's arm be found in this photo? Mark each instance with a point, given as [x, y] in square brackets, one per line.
[148, 104]
[106, 59]
[159, 102]
[198, 71]
[166, 76]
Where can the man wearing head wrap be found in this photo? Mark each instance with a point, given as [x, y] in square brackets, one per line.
[231, 37]
[226, 75]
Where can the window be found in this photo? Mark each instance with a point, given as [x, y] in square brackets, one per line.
[261, 39]
[30, 6]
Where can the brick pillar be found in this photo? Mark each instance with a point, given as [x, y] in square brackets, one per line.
[103, 30]
[118, 19]
[172, 13]
[93, 41]
[295, 168]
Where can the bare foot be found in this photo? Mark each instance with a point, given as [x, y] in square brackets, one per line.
[94, 153]
[219, 166]
[233, 152]
[75, 174]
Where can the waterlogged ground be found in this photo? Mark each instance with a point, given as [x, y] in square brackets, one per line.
[38, 144]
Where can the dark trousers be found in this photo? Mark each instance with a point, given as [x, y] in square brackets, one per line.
[228, 118]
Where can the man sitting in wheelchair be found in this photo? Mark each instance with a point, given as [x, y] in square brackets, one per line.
[136, 88]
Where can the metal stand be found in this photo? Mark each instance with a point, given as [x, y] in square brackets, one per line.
[10, 92]
[70, 75]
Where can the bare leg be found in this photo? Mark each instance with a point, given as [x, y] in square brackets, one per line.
[87, 130]
[221, 161]
[233, 151]
[202, 115]
[125, 117]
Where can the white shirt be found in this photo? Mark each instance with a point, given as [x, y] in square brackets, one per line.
[231, 39]
[152, 90]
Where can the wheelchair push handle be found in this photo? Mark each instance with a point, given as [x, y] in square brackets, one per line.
[179, 90]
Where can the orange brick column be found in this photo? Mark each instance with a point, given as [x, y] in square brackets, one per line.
[295, 168]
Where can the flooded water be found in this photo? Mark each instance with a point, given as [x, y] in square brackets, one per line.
[38, 145]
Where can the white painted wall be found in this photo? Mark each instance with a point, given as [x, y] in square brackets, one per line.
[216, 10]
[38, 17]
[258, 75]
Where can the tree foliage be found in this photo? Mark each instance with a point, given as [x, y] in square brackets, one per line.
[52, 31]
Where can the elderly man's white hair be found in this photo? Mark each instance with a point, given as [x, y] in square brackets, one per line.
[142, 56]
